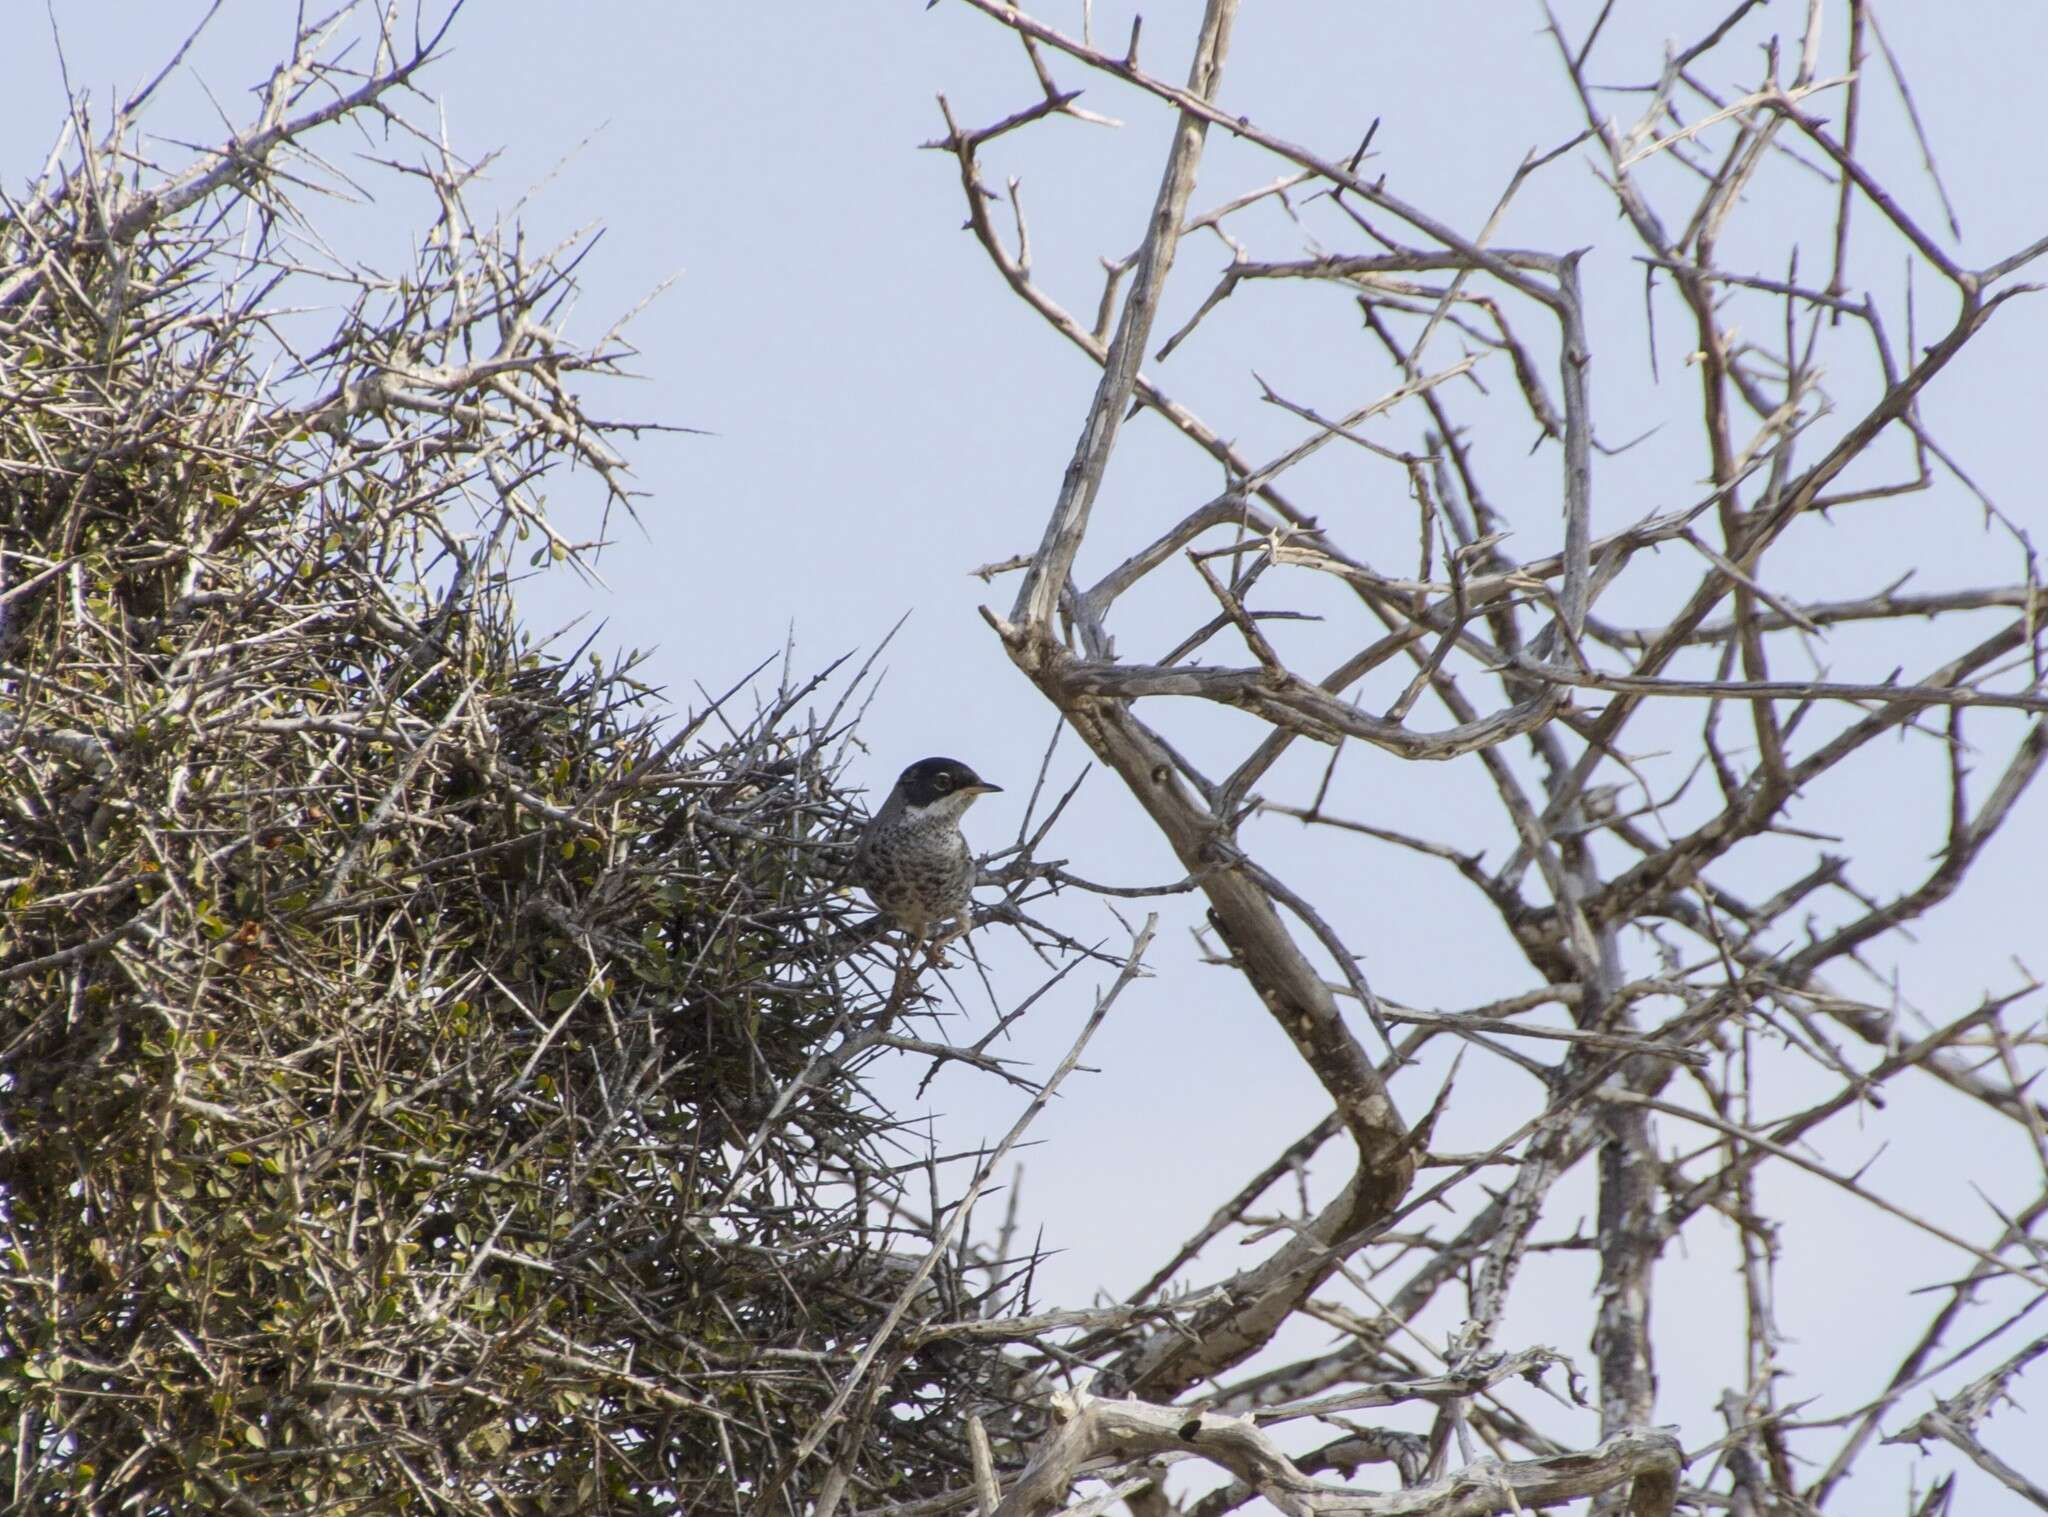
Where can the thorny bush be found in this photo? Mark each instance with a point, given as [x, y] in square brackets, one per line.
[424, 1081]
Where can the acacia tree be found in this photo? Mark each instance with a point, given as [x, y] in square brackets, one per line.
[1648, 766]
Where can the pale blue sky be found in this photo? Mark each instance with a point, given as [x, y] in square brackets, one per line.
[885, 417]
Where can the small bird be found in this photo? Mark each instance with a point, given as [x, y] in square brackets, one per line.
[912, 859]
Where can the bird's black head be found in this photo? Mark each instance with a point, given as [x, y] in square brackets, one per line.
[934, 779]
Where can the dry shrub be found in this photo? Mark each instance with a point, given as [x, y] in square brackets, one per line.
[424, 1080]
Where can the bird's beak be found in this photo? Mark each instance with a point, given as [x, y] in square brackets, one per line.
[983, 787]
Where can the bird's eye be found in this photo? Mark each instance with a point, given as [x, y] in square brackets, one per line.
[942, 782]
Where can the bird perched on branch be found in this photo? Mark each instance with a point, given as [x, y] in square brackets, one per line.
[912, 859]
